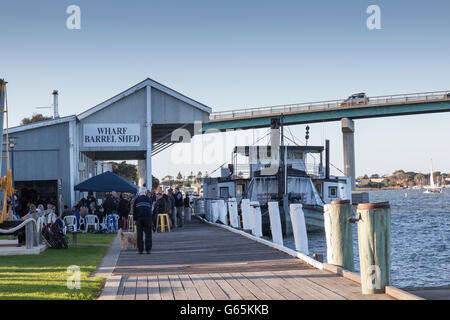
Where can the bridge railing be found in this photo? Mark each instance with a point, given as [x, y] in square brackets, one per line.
[332, 104]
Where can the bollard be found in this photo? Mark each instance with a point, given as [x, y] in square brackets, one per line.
[245, 209]
[29, 235]
[275, 223]
[187, 214]
[222, 212]
[374, 231]
[232, 209]
[74, 238]
[255, 216]
[338, 233]
[299, 227]
[214, 211]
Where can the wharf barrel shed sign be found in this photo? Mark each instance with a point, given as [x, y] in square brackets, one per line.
[111, 135]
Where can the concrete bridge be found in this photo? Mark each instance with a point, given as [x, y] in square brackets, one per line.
[334, 110]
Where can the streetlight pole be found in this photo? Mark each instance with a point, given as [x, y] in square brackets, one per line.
[12, 145]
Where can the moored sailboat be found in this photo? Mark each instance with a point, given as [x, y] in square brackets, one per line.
[432, 188]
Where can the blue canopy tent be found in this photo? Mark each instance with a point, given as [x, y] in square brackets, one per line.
[106, 182]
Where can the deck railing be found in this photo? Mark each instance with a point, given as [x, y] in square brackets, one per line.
[332, 104]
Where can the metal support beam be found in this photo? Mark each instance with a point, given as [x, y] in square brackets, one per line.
[142, 175]
[148, 158]
[348, 133]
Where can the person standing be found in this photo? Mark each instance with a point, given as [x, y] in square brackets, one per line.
[187, 208]
[179, 217]
[160, 208]
[124, 210]
[171, 208]
[142, 214]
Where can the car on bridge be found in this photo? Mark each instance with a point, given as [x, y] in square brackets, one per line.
[355, 99]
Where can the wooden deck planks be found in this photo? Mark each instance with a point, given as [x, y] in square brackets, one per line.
[153, 288]
[165, 289]
[189, 287]
[129, 288]
[226, 287]
[201, 287]
[203, 262]
[240, 289]
[141, 288]
[177, 288]
[213, 287]
[278, 284]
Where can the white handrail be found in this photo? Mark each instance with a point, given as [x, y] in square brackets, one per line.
[4, 231]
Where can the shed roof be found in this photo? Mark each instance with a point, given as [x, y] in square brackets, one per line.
[139, 86]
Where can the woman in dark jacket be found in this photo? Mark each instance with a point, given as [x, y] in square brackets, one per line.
[124, 210]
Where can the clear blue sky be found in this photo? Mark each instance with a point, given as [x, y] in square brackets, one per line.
[234, 54]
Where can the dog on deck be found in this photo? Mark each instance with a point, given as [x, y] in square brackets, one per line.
[127, 238]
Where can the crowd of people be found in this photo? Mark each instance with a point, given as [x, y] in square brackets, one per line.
[148, 204]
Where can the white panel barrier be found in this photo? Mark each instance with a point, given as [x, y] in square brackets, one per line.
[222, 211]
[275, 223]
[299, 228]
[233, 211]
[245, 209]
[208, 210]
[327, 224]
[256, 218]
[214, 211]
[200, 208]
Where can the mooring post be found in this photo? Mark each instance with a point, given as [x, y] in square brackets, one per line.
[374, 231]
[255, 216]
[299, 228]
[275, 223]
[338, 233]
[245, 210]
[232, 209]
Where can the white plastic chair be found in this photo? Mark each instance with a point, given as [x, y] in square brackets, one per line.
[70, 224]
[81, 224]
[91, 220]
[39, 223]
[50, 218]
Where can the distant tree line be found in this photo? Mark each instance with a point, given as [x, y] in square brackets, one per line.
[400, 178]
[129, 172]
[36, 117]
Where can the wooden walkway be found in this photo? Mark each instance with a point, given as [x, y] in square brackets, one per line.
[201, 261]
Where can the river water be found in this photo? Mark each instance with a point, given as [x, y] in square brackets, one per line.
[420, 237]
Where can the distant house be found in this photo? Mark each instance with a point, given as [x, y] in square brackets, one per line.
[381, 181]
[363, 182]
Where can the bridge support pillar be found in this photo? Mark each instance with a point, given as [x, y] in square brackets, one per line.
[348, 135]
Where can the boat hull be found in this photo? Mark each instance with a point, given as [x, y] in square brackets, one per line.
[313, 220]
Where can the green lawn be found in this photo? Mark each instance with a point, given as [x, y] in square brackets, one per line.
[96, 238]
[45, 276]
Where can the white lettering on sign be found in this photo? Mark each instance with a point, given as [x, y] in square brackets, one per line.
[111, 135]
